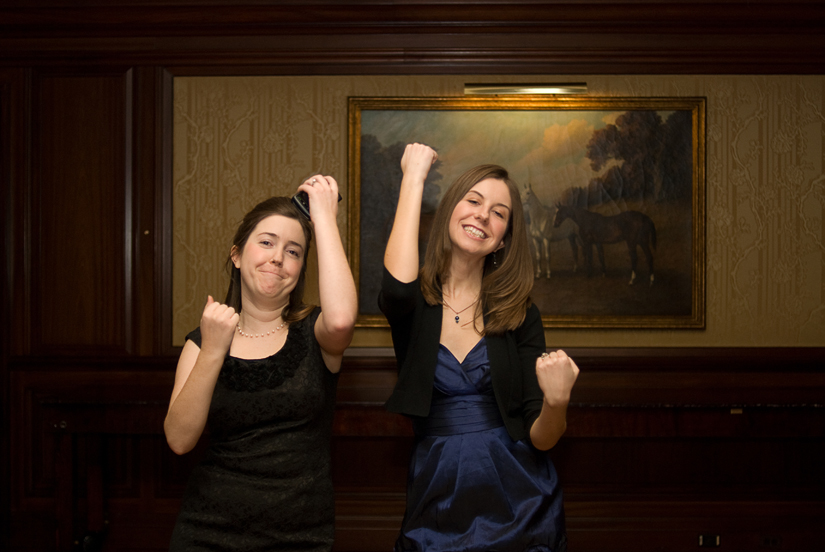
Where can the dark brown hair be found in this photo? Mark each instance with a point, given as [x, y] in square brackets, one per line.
[295, 310]
[505, 289]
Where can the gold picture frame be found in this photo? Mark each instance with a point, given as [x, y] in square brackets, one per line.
[608, 156]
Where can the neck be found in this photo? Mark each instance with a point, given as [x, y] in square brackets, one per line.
[463, 281]
[462, 288]
[255, 319]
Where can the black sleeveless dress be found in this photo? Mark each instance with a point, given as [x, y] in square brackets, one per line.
[265, 481]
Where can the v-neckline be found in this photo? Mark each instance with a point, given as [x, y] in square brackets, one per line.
[461, 362]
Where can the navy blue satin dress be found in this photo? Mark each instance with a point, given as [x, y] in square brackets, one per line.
[471, 487]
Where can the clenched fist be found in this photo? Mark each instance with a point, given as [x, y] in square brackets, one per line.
[557, 374]
[218, 323]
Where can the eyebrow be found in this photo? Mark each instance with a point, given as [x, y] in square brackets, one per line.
[274, 235]
[482, 197]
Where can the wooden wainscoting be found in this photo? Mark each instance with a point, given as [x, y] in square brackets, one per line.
[663, 446]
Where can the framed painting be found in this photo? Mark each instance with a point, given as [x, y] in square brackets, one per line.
[613, 191]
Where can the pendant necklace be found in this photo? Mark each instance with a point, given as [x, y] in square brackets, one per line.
[458, 312]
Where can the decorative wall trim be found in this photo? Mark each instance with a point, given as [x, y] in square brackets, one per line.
[368, 37]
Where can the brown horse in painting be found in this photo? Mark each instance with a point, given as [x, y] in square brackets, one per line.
[632, 227]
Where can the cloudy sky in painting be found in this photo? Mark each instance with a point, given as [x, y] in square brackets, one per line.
[543, 148]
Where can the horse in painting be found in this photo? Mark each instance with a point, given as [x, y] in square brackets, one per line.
[542, 233]
[632, 227]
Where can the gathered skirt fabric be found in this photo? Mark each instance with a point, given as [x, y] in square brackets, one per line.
[470, 486]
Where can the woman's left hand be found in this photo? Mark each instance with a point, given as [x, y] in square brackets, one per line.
[557, 374]
[335, 325]
[323, 195]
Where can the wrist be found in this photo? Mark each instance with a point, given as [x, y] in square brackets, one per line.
[212, 352]
[557, 402]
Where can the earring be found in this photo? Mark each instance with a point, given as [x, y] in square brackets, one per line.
[495, 260]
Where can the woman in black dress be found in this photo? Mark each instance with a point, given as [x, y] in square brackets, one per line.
[261, 369]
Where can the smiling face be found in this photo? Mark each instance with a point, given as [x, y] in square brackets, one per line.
[271, 260]
[480, 219]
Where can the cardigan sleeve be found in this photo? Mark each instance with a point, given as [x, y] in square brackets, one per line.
[513, 362]
[531, 344]
[415, 328]
[396, 299]
[397, 302]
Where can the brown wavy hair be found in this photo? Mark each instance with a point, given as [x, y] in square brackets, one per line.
[505, 288]
[295, 310]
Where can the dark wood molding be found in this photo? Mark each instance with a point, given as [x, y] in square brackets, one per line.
[7, 249]
[724, 377]
[597, 37]
[629, 377]
[603, 359]
[162, 222]
[217, 18]
[17, 174]
[659, 359]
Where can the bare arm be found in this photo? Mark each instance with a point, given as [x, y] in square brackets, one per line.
[339, 303]
[557, 374]
[401, 255]
[196, 376]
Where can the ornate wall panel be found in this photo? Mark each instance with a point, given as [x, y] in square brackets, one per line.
[240, 139]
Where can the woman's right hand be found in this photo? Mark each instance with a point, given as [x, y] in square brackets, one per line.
[218, 323]
[196, 375]
[417, 160]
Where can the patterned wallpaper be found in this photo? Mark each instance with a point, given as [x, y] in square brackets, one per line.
[238, 140]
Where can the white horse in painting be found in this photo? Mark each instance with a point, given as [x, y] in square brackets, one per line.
[542, 232]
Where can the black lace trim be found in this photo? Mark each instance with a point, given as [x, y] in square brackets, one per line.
[239, 374]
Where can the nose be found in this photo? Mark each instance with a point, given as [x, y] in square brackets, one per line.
[277, 257]
[483, 215]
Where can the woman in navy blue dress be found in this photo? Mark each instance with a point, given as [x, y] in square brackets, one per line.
[486, 399]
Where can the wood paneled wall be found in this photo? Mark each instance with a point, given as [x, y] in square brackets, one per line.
[664, 445]
[455, 37]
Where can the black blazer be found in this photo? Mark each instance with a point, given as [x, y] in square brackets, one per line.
[416, 333]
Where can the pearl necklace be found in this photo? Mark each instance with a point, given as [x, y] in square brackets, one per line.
[240, 331]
